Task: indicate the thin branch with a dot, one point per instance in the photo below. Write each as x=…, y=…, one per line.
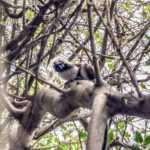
x=57, y=122
x=134, y=81
x=99, y=80
x=88, y=38
x=121, y=144
x=32, y=74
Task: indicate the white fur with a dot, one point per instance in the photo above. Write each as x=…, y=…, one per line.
x=69, y=74
x=57, y=59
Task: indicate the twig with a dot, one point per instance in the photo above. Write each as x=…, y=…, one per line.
x=32, y=74
x=88, y=38
x=121, y=144
x=57, y=122
x=133, y=79
x=99, y=80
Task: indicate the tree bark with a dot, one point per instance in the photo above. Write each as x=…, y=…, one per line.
x=98, y=123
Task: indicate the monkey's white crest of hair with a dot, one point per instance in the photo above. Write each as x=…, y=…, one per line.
x=57, y=59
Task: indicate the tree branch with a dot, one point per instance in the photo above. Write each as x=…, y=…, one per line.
x=98, y=123
x=99, y=80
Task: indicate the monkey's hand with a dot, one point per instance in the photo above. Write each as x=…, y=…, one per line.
x=67, y=84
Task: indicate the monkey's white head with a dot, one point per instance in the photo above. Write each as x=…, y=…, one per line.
x=65, y=69
x=60, y=64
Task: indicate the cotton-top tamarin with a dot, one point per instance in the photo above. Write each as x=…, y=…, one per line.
x=68, y=71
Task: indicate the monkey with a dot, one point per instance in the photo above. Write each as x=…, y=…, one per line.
x=45, y=100
x=69, y=72
x=48, y=100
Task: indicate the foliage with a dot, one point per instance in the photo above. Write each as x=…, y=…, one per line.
x=64, y=31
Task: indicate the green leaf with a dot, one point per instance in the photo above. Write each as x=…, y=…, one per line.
x=32, y=89
x=70, y=125
x=30, y=14
x=144, y=14
x=18, y=11
x=40, y=85
x=135, y=147
x=98, y=38
x=56, y=140
x=147, y=36
x=121, y=124
x=48, y=141
x=108, y=60
x=127, y=135
x=83, y=135
x=138, y=137
x=143, y=86
x=97, y=35
x=127, y=7
x=63, y=127
x=148, y=8
x=147, y=140
x=110, y=136
x=111, y=66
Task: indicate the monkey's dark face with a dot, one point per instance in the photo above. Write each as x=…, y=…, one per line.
x=61, y=66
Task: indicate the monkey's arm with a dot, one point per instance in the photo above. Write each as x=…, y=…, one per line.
x=90, y=71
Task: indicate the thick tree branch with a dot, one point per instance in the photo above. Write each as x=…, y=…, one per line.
x=98, y=123
x=107, y=103
x=130, y=105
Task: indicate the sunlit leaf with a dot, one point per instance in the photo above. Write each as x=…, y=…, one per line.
x=48, y=141
x=111, y=66
x=110, y=136
x=143, y=86
x=121, y=124
x=148, y=8
x=32, y=89
x=97, y=38
x=40, y=85
x=127, y=7
x=29, y=14
x=97, y=35
x=56, y=140
x=108, y=60
x=18, y=11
